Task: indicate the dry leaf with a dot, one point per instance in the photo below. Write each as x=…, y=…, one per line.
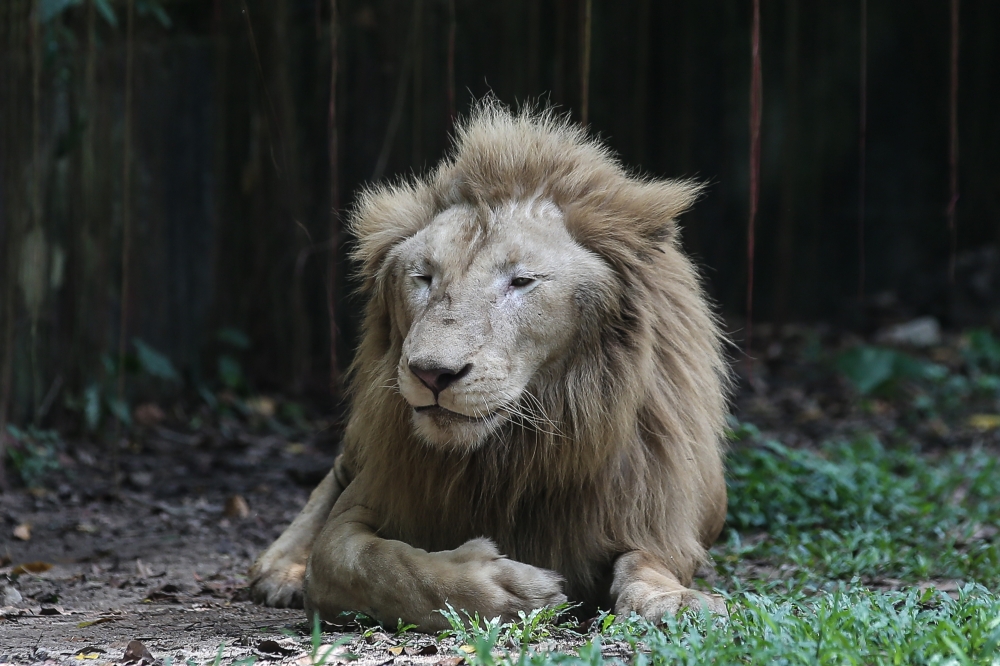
x=100, y=620
x=274, y=648
x=985, y=421
x=261, y=405
x=23, y=532
x=89, y=652
x=168, y=592
x=450, y=661
x=148, y=414
x=237, y=507
x=31, y=567
x=396, y=650
x=467, y=649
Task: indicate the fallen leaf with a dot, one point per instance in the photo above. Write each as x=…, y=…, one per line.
x=274, y=648
x=23, y=532
x=89, y=652
x=467, y=649
x=168, y=592
x=237, y=507
x=148, y=414
x=396, y=650
x=100, y=620
x=31, y=567
x=450, y=661
x=261, y=405
x=328, y=654
x=137, y=652
x=984, y=421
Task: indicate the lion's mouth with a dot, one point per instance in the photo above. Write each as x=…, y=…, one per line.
x=439, y=412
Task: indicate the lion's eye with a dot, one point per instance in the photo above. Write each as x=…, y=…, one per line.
x=422, y=279
x=520, y=282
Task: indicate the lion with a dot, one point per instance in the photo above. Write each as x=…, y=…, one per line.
x=537, y=401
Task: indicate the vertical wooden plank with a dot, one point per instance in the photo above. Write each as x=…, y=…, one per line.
x=953, y=142
x=334, y=232
x=756, y=100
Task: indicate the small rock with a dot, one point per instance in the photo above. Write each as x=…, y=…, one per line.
x=237, y=507
x=9, y=596
x=919, y=332
x=140, y=479
x=136, y=652
x=23, y=532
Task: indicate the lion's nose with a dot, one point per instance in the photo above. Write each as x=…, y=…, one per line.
x=438, y=379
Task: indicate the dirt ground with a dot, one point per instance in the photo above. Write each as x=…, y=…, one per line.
x=163, y=560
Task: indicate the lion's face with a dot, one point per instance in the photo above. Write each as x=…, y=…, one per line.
x=487, y=304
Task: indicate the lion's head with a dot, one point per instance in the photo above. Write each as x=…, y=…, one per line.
x=530, y=307
x=487, y=302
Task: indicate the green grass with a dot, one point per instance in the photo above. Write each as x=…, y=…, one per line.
x=857, y=509
x=831, y=556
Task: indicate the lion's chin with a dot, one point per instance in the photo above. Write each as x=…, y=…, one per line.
x=445, y=428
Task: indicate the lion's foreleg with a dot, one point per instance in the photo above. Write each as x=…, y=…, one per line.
x=276, y=576
x=352, y=569
x=644, y=585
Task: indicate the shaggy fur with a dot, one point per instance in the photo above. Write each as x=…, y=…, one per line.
x=626, y=458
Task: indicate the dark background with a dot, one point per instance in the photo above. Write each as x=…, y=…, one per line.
x=230, y=180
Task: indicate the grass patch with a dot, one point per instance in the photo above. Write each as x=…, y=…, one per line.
x=831, y=556
x=858, y=509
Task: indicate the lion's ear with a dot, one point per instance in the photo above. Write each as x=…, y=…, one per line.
x=631, y=219
x=384, y=216
x=656, y=205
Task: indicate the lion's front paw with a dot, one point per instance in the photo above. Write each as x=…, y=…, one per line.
x=502, y=587
x=277, y=583
x=653, y=604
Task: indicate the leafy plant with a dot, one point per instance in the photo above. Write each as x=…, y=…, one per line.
x=872, y=369
x=34, y=454
x=100, y=399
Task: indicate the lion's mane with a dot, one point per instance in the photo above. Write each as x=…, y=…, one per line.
x=632, y=459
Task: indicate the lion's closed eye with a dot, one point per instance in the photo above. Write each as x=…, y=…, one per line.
x=522, y=281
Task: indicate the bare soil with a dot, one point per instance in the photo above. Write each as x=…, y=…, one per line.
x=162, y=559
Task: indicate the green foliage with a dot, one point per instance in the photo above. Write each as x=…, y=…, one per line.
x=480, y=632
x=50, y=9
x=233, y=337
x=982, y=350
x=229, y=369
x=859, y=509
x=34, y=453
x=100, y=399
x=872, y=369
x=154, y=363
x=842, y=626
x=231, y=373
